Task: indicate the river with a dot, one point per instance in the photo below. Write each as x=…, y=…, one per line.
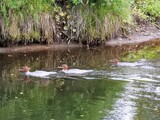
x=127, y=91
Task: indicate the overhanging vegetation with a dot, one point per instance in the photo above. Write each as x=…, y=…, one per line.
x=83, y=21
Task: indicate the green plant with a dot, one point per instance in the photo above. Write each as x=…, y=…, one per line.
x=26, y=19
x=99, y=19
x=150, y=8
x=76, y=2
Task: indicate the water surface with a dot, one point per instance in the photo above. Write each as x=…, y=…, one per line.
x=129, y=91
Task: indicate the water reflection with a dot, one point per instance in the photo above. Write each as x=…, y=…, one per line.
x=123, y=92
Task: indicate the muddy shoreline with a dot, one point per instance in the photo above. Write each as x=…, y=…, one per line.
x=34, y=48
x=140, y=35
x=144, y=35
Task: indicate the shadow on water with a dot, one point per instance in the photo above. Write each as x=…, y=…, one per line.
x=120, y=92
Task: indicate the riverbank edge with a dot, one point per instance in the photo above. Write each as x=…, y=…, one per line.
x=37, y=47
x=144, y=34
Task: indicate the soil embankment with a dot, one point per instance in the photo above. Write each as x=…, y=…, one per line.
x=144, y=34
x=141, y=35
x=31, y=48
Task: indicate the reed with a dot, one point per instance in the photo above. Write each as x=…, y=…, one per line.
x=99, y=19
x=26, y=21
x=44, y=21
x=147, y=10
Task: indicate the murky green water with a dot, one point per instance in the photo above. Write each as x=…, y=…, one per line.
x=129, y=91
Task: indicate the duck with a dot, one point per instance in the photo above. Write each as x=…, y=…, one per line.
x=37, y=73
x=117, y=62
x=73, y=71
x=114, y=62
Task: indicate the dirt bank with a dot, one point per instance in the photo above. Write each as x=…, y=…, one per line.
x=31, y=48
x=143, y=34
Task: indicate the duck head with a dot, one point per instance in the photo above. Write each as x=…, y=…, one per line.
x=64, y=67
x=24, y=69
x=114, y=61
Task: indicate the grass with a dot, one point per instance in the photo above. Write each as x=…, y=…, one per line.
x=147, y=9
x=42, y=20
x=100, y=20
x=27, y=20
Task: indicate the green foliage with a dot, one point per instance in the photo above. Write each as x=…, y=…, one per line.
x=76, y=2
x=82, y=19
x=25, y=7
x=120, y=8
x=100, y=19
x=22, y=19
x=150, y=8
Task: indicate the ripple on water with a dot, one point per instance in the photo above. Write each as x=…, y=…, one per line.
x=125, y=107
x=136, y=95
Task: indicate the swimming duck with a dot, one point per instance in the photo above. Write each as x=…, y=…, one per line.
x=37, y=73
x=116, y=62
x=130, y=64
x=73, y=71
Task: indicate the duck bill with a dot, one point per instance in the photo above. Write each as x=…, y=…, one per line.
x=20, y=70
x=60, y=67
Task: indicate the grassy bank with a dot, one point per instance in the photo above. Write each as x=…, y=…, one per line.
x=82, y=21
x=26, y=21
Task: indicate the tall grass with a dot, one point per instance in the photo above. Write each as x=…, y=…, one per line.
x=27, y=20
x=99, y=19
x=147, y=10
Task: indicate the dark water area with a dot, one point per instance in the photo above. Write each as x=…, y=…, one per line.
x=127, y=91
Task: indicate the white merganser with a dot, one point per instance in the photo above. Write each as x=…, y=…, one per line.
x=116, y=62
x=129, y=64
x=37, y=73
x=74, y=71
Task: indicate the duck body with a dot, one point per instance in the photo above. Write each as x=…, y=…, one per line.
x=37, y=73
x=42, y=74
x=76, y=71
x=129, y=64
x=116, y=62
